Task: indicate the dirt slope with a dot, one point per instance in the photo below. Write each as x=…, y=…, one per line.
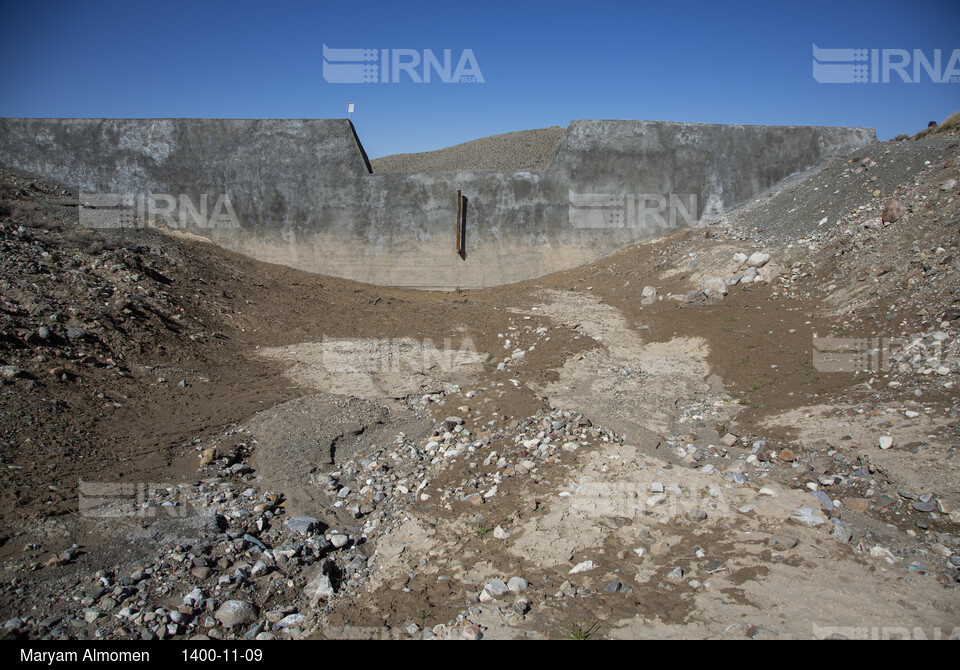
x=521, y=150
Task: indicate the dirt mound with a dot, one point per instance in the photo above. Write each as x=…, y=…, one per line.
x=521, y=150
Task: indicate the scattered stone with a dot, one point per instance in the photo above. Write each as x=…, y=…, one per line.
x=729, y=440
x=303, y=524
x=496, y=588
x=201, y=572
x=208, y=456
x=794, y=254
x=290, y=620
x=841, y=531
x=884, y=553
x=236, y=612
x=782, y=542
x=319, y=588
x=10, y=371
x=471, y=632
x=825, y=501
x=892, y=211
x=715, y=287
x=806, y=517
x=649, y=295
x=194, y=599
x=517, y=584
x=858, y=505
x=582, y=567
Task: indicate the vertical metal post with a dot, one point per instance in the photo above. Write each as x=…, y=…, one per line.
x=459, y=222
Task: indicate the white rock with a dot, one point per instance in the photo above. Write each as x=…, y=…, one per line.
x=235, y=612
x=649, y=295
x=582, y=567
x=715, y=287
x=496, y=588
x=758, y=259
x=517, y=584
x=195, y=598
x=291, y=620
x=884, y=553
x=653, y=501
x=319, y=588
x=805, y=517
x=886, y=442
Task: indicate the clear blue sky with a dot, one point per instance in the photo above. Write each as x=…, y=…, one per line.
x=543, y=63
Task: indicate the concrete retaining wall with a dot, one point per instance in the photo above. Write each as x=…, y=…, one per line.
x=303, y=195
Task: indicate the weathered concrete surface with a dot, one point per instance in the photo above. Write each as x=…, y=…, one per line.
x=733, y=161
x=304, y=196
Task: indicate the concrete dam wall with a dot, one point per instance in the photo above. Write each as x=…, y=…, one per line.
x=301, y=193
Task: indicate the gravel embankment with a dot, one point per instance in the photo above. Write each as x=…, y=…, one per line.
x=521, y=150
